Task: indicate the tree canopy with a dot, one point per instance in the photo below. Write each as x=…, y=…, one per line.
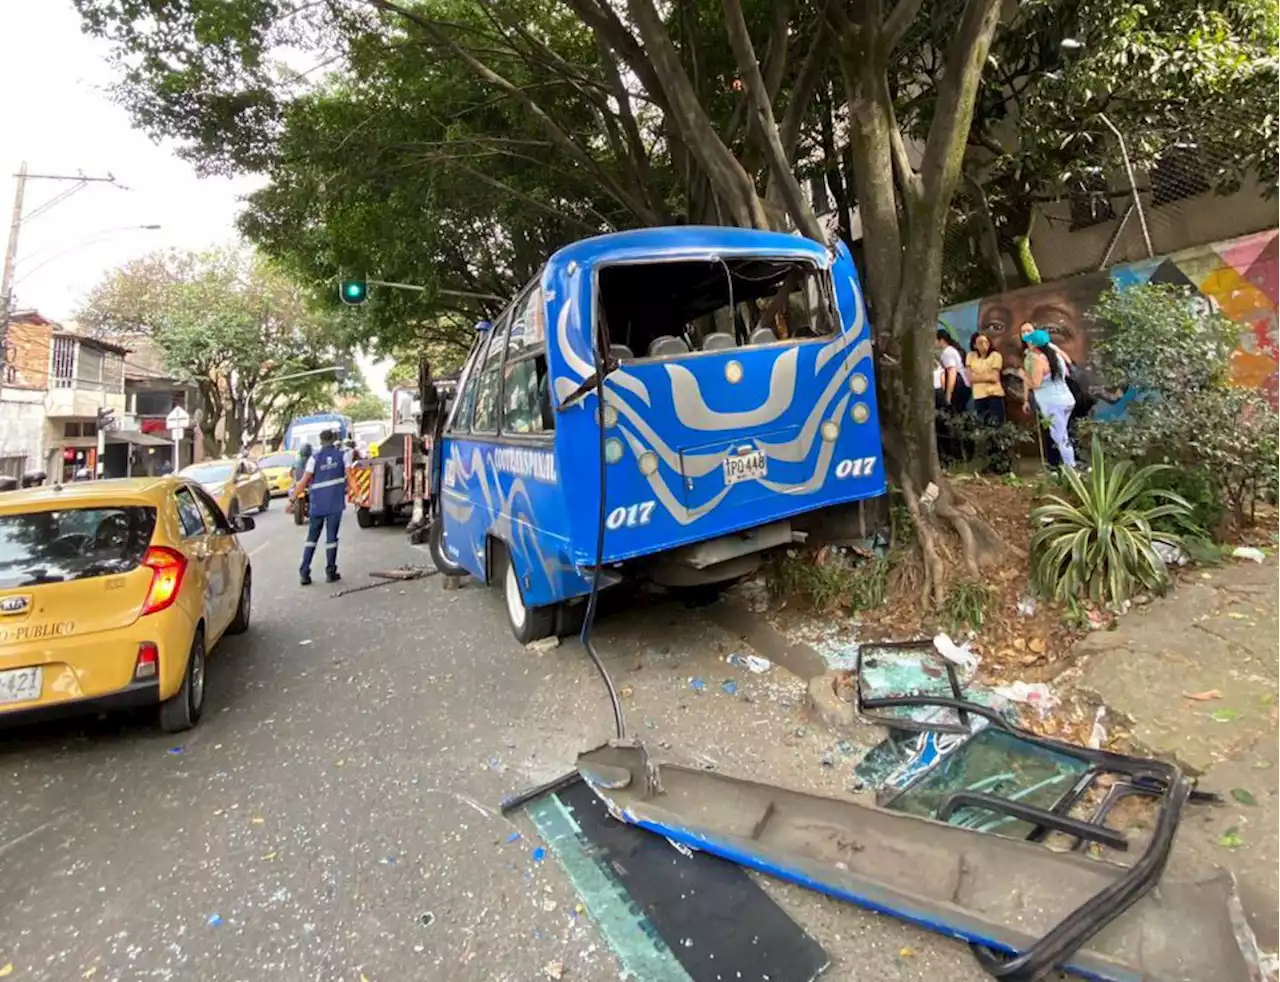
x=230, y=322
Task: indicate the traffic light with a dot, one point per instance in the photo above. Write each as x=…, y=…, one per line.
x=353, y=292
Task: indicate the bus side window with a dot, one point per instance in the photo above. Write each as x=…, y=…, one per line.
x=460, y=420
x=525, y=396
x=484, y=418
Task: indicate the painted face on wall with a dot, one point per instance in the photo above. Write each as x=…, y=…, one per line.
x=1059, y=308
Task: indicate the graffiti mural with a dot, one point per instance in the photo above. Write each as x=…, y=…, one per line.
x=1239, y=277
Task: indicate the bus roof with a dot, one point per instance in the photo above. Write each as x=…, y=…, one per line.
x=688, y=242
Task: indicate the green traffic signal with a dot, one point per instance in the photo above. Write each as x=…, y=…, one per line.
x=353, y=291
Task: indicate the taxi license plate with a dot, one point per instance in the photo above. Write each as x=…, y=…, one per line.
x=745, y=467
x=20, y=685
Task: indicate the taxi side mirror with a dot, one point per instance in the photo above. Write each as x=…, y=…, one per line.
x=242, y=523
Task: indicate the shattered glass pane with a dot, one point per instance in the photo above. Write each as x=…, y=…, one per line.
x=995, y=762
x=891, y=671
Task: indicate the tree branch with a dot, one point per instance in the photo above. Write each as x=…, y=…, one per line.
x=953, y=113
x=558, y=136
x=601, y=18
x=779, y=165
x=806, y=84
x=898, y=23
x=731, y=181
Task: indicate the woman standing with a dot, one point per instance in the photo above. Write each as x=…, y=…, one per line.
x=955, y=392
x=1046, y=383
x=985, y=365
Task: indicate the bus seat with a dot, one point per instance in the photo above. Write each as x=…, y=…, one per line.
x=620, y=352
x=718, y=341
x=762, y=335
x=667, y=345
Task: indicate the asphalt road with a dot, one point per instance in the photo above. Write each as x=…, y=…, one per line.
x=333, y=816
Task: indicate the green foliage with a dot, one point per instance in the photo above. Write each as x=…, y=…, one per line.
x=1163, y=339
x=367, y=406
x=229, y=321
x=965, y=606
x=1176, y=75
x=1098, y=541
x=1175, y=350
x=836, y=583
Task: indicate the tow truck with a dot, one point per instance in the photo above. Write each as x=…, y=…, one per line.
x=392, y=480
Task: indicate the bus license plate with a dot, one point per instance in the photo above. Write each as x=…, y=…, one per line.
x=745, y=467
x=19, y=685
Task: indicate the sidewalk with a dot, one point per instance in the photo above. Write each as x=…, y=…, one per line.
x=1193, y=676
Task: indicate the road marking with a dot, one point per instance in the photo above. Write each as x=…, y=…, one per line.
x=259, y=547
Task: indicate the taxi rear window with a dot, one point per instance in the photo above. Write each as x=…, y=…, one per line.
x=72, y=544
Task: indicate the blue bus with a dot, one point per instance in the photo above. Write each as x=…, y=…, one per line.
x=307, y=429
x=735, y=371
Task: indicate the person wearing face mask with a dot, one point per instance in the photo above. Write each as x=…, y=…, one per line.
x=1044, y=373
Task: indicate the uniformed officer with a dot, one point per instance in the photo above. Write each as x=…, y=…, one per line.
x=325, y=480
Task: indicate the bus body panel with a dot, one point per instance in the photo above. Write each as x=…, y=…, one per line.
x=786, y=409
x=684, y=414
x=512, y=494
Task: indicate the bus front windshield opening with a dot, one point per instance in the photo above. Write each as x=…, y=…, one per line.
x=656, y=310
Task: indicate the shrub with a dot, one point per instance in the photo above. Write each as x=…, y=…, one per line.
x=1098, y=543
x=1175, y=350
x=840, y=581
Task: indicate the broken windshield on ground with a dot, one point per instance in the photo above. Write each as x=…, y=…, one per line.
x=997, y=763
x=654, y=310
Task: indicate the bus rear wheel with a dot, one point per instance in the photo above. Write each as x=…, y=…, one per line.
x=365, y=519
x=528, y=624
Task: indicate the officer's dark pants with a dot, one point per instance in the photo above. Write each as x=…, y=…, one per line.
x=329, y=525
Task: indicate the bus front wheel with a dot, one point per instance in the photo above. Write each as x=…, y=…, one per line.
x=527, y=623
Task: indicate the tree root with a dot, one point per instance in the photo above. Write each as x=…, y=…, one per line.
x=980, y=544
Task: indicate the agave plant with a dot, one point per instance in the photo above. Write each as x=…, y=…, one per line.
x=1101, y=545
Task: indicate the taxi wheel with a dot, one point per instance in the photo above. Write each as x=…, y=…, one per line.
x=266, y=501
x=240, y=623
x=527, y=623
x=182, y=710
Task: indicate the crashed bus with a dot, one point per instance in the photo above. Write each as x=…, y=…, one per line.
x=663, y=404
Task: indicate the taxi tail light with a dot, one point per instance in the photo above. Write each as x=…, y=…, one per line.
x=167, y=566
x=148, y=664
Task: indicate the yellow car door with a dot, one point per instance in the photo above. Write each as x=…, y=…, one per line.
x=195, y=533
x=225, y=563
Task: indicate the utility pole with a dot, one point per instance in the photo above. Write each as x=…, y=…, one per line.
x=78, y=182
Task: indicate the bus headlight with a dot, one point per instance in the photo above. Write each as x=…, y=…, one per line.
x=613, y=450
x=830, y=430
x=648, y=463
x=610, y=417
x=861, y=413
x=733, y=372
x=858, y=383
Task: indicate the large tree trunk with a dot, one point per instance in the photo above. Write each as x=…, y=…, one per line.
x=904, y=214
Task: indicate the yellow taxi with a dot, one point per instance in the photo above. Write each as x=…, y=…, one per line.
x=237, y=485
x=112, y=593
x=277, y=468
